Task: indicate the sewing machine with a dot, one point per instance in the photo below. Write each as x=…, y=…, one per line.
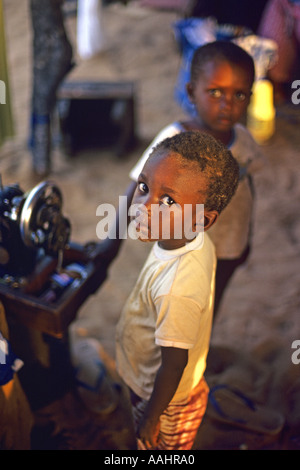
x=44, y=279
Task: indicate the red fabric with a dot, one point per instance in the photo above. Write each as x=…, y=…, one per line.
x=180, y=421
x=281, y=22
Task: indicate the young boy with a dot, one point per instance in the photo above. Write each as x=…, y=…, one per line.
x=222, y=76
x=164, y=330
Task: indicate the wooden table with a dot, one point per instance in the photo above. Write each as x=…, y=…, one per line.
x=95, y=113
x=39, y=330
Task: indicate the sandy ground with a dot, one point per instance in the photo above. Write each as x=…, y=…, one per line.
x=251, y=346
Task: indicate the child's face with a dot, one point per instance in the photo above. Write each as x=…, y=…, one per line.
x=168, y=184
x=221, y=95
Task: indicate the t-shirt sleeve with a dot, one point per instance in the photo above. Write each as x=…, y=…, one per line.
x=178, y=321
x=247, y=152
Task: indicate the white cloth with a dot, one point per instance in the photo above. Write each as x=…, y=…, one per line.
x=230, y=233
x=171, y=305
x=90, y=34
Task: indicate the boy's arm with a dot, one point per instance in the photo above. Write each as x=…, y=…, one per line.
x=173, y=362
x=108, y=249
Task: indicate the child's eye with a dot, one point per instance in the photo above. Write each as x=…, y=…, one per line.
x=167, y=201
x=215, y=93
x=143, y=188
x=240, y=96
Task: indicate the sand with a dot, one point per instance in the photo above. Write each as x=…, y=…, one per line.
x=251, y=344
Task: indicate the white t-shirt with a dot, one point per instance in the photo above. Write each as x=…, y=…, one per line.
x=231, y=232
x=171, y=305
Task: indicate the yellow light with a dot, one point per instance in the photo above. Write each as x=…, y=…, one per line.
x=8, y=388
x=261, y=111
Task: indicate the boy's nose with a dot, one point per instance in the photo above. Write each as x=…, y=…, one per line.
x=227, y=101
x=146, y=201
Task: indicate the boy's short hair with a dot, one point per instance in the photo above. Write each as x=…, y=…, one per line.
x=221, y=50
x=214, y=160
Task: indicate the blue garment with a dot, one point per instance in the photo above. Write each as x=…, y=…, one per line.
x=9, y=362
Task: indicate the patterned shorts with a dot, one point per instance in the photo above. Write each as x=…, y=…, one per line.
x=179, y=422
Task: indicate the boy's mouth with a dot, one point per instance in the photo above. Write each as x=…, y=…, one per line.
x=141, y=225
x=225, y=119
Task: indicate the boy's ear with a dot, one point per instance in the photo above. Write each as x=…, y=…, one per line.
x=209, y=219
x=190, y=91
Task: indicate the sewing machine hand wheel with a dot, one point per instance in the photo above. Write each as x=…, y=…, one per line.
x=42, y=224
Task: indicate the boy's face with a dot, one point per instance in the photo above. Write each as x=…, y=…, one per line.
x=221, y=95
x=169, y=190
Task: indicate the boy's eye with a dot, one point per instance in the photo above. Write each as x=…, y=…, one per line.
x=167, y=201
x=215, y=93
x=240, y=96
x=143, y=188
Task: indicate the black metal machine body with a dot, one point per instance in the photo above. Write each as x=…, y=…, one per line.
x=44, y=279
x=31, y=226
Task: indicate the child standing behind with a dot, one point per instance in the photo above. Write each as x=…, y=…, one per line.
x=164, y=331
x=222, y=75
